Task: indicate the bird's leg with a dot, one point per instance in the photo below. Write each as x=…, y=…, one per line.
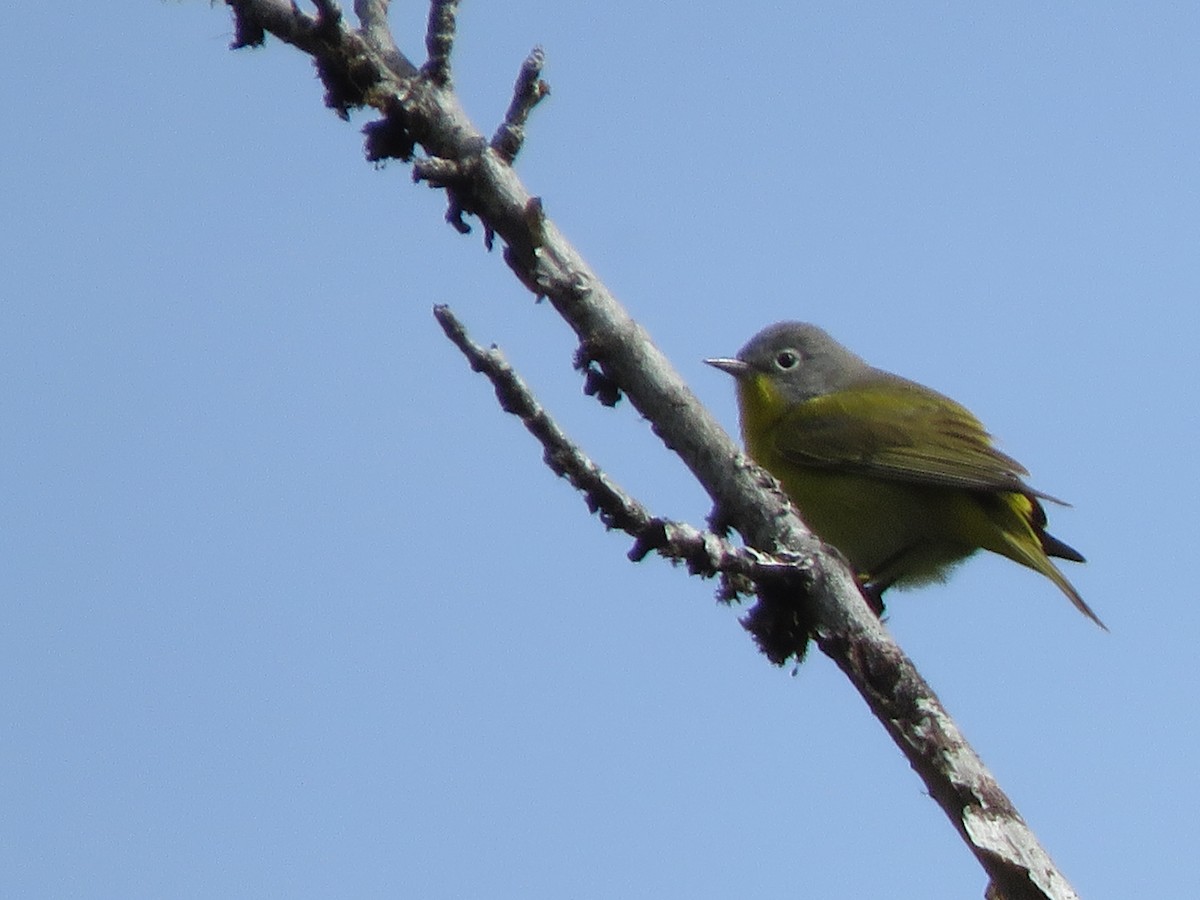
x=872, y=592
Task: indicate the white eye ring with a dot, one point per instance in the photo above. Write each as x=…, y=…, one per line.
x=787, y=359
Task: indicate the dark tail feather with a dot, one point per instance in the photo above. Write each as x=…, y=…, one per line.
x=1054, y=547
x=1022, y=550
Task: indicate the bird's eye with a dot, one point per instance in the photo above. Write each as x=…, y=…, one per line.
x=787, y=359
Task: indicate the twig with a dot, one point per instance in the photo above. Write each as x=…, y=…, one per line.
x=372, y=15
x=328, y=12
x=616, y=508
x=439, y=41
x=527, y=93
x=704, y=553
x=372, y=20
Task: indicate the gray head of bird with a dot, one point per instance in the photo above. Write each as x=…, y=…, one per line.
x=801, y=360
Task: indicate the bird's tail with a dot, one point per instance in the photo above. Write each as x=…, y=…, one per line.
x=1031, y=546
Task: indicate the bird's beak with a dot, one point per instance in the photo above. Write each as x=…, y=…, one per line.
x=735, y=367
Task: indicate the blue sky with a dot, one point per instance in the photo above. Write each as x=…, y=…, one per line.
x=288, y=607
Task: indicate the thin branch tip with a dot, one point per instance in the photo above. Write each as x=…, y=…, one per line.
x=373, y=27
x=371, y=13
x=328, y=12
x=439, y=41
x=528, y=91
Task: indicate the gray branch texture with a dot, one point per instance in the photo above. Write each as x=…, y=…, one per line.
x=803, y=590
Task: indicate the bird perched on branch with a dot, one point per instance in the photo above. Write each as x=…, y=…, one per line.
x=902, y=480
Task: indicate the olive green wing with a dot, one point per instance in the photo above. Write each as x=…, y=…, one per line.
x=891, y=428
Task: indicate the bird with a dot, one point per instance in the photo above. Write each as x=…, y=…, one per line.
x=905, y=482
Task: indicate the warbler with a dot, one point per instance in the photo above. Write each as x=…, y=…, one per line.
x=904, y=481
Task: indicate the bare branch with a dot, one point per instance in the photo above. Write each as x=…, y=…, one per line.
x=616, y=508
x=328, y=12
x=618, y=349
x=527, y=93
x=705, y=553
x=353, y=73
x=373, y=26
x=372, y=15
x=439, y=41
